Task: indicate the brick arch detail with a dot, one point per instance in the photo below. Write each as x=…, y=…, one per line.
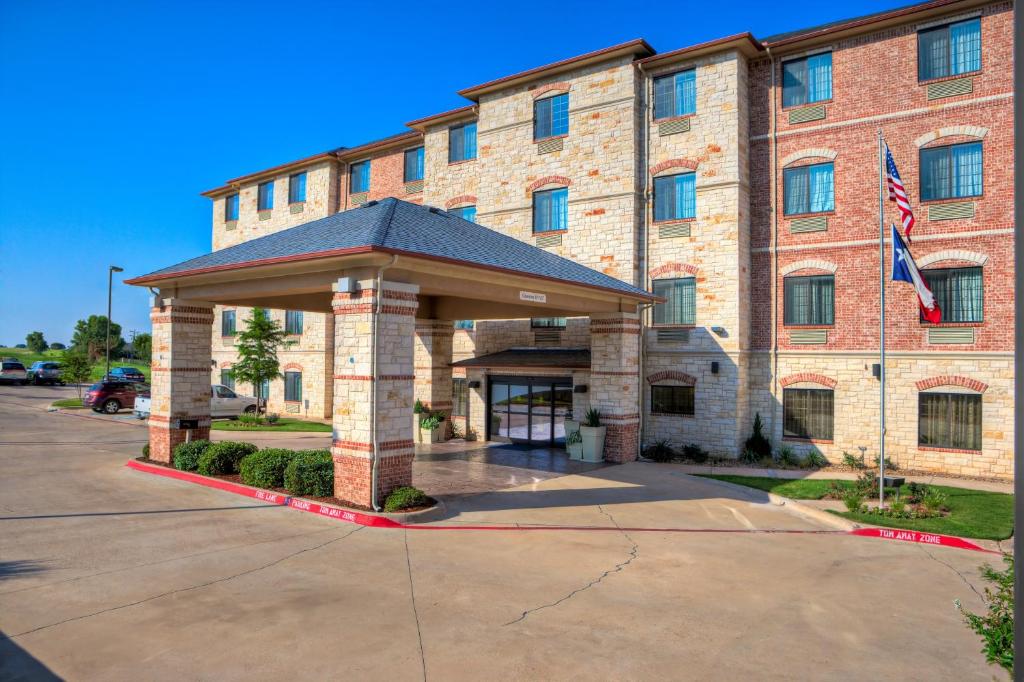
x=952, y=380
x=292, y=367
x=461, y=199
x=668, y=164
x=810, y=264
x=673, y=268
x=670, y=375
x=561, y=86
x=952, y=254
x=810, y=153
x=950, y=131
x=225, y=365
x=548, y=180
x=809, y=377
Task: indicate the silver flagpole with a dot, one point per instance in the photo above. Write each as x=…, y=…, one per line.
x=881, y=323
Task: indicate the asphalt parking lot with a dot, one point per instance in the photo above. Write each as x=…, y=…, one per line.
x=108, y=573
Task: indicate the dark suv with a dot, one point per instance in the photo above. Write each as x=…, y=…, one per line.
x=110, y=396
x=126, y=374
x=43, y=372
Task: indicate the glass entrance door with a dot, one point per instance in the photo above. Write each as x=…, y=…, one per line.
x=529, y=409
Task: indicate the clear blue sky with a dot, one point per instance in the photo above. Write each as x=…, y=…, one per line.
x=115, y=115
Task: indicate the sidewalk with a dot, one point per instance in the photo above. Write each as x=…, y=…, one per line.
x=991, y=486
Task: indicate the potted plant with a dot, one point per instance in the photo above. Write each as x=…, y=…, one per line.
x=593, y=436
x=571, y=425
x=433, y=423
x=574, y=444
x=418, y=411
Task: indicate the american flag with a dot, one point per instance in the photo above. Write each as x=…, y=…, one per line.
x=898, y=193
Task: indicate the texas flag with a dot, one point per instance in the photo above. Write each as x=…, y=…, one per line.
x=904, y=269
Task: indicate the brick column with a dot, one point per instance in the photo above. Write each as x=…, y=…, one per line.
x=433, y=358
x=614, y=367
x=353, y=375
x=180, y=374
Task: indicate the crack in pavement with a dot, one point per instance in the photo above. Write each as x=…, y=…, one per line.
x=183, y=589
x=634, y=553
x=950, y=567
x=415, y=611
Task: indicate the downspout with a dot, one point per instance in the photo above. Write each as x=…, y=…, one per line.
x=375, y=463
x=774, y=247
x=645, y=146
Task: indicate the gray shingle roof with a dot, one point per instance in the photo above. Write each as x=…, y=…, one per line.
x=392, y=225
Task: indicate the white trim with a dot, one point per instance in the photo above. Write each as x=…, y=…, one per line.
x=810, y=153
x=869, y=242
x=949, y=131
x=810, y=264
x=952, y=254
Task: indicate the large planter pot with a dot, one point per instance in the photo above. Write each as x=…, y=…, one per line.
x=575, y=450
x=571, y=426
x=435, y=436
x=495, y=425
x=416, y=427
x=593, y=443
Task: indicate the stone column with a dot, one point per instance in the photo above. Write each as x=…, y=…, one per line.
x=614, y=389
x=433, y=358
x=181, y=374
x=353, y=376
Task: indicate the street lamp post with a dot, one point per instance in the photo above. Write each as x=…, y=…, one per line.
x=110, y=291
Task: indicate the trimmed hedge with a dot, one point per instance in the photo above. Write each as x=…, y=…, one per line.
x=265, y=469
x=224, y=457
x=311, y=472
x=186, y=456
x=404, y=498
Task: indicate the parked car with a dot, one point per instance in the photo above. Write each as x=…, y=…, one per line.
x=14, y=372
x=111, y=396
x=42, y=372
x=126, y=374
x=224, y=402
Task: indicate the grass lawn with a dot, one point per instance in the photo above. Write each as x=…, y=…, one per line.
x=67, y=402
x=27, y=357
x=972, y=513
x=283, y=424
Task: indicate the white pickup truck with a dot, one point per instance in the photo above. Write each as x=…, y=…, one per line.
x=223, y=403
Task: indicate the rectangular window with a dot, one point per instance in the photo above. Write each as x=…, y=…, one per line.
x=231, y=207
x=949, y=50
x=551, y=210
x=413, y=164
x=807, y=413
x=547, y=322
x=675, y=197
x=675, y=95
x=462, y=142
x=672, y=399
x=807, y=80
x=466, y=213
x=460, y=397
x=951, y=172
x=808, y=189
x=359, y=177
x=227, y=323
x=959, y=293
x=464, y=324
x=551, y=117
x=293, y=387
x=227, y=379
x=949, y=420
x=809, y=300
x=293, y=321
x=265, y=196
x=297, y=188
x=681, y=306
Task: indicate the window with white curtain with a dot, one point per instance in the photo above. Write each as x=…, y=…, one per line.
x=551, y=210
x=808, y=189
x=949, y=50
x=958, y=292
x=949, y=420
x=680, y=306
x=951, y=172
x=807, y=413
x=675, y=197
x=676, y=94
x=807, y=80
x=809, y=300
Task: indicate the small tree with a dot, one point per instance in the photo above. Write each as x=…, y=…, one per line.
x=757, y=443
x=57, y=345
x=91, y=337
x=35, y=342
x=996, y=627
x=257, y=352
x=75, y=368
x=142, y=346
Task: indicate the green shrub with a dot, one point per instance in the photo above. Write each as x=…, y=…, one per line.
x=405, y=497
x=660, y=451
x=996, y=627
x=748, y=456
x=852, y=461
x=898, y=506
x=916, y=492
x=186, y=455
x=814, y=460
x=695, y=453
x=757, y=443
x=418, y=408
x=273, y=418
x=265, y=468
x=145, y=450
x=853, y=500
x=250, y=419
x=867, y=483
x=224, y=457
x=311, y=473
x=456, y=431
x=788, y=457
x=592, y=417
x=432, y=423
x=935, y=500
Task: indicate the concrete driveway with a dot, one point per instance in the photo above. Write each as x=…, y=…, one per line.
x=108, y=573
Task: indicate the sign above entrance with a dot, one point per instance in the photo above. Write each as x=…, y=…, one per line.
x=532, y=297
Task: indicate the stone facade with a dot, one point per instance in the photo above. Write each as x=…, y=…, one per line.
x=739, y=247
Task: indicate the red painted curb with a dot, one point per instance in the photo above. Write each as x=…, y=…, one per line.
x=373, y=521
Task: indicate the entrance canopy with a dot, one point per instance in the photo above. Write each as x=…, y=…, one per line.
x=463, y=270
